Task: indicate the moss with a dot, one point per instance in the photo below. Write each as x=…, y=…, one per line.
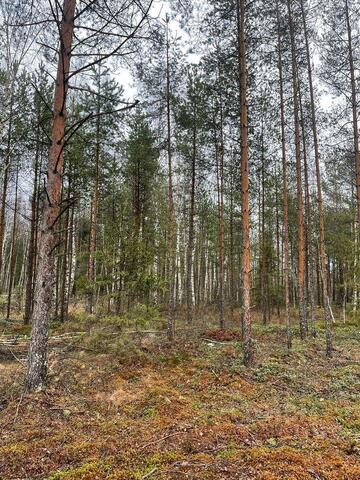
x=228, y=453
x=15, y=448
x=265, y=370
x=349, y=419
x=149, y=412
x=174, y=358
x=293, y=413
x=87, y=470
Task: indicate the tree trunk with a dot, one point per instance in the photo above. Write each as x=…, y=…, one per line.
x=171, y=212
x=71, y=259
x=32, y=245
x=94, y=209
x=219, y=156
x=6, y=178
x=300, y=216
x=12, y=247
x=308, y=232
x=190, y=245
x=355, y=128
x=37, y=362
x=285, y=187
x=323, y=257
x=264, y=280
x=64, y=269
x=232, y=246
x=245, y=208
x=221, y=224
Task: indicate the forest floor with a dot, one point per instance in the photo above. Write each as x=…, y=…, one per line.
x=189, y=410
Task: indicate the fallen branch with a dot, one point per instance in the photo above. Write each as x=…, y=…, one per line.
x=17, y=408
x=13, y=354
x=232, y=342
x=149, y=473
x=215, y=374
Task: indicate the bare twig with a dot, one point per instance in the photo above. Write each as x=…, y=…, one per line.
x=17, y=408
x=163, y=438
x=149, y=474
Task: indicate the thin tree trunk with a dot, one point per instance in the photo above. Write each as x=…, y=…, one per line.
x=278, y=261
x=12, y=247
x=263, y=270
x=32, y=245
x=285, y=187
x=300, y=216
x=202, y=262
x=219, y=155
x=57, y=282
x=71, y=259
x=171, y=211
x=355, y=266
x=64, y=270
x=308, y=237
x=37, y=231
x=6, y=179
x=356, y=140
x=245, y=208
x=323, y=257
x=94, y=209
x=22, y=277
x=221, y=224
x=232, y=248
x=190, y=245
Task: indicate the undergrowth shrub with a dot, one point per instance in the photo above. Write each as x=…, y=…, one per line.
x=122, y=347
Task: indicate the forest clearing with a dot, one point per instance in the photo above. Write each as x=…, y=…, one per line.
x=179, y=239
x=150, y=409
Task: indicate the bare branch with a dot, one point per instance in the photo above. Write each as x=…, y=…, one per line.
x=115, y=50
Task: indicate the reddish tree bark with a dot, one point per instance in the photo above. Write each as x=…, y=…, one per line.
x=37, y=363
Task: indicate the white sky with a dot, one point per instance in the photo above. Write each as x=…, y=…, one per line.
x=159, y=11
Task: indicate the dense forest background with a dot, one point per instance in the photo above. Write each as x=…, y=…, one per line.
x=179, y=240
x=229, y=182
